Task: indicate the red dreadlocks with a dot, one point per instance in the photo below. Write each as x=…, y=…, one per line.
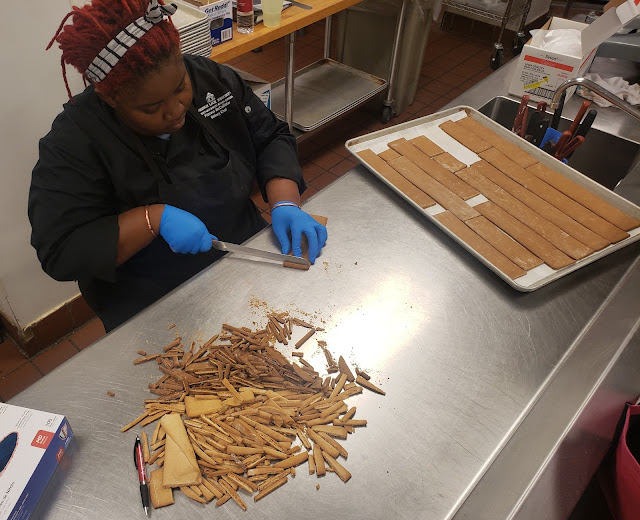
x=95, y=24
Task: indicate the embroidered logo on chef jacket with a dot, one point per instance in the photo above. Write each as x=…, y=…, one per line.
x=215, y=107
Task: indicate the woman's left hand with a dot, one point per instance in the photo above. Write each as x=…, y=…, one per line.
x=290, y=221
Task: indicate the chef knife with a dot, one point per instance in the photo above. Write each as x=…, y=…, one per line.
x=235, y=248
x=578, y=119
x=586, y=123
x=585, y=126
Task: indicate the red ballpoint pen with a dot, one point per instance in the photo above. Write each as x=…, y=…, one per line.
x=142, y=475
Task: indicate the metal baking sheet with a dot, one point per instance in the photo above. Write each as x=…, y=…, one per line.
x=428, y=125
x=205, y=32
x=324, y=90
x=199, y=47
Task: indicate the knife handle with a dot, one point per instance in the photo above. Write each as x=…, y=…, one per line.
x=557, y=114
x=586, y=123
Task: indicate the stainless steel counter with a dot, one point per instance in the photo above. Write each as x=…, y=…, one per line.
x=461, y=355
x=545, y=466
x=483, y=383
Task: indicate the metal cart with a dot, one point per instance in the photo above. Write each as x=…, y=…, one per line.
x=498, y=14
x=369, y=40
x=327, y=89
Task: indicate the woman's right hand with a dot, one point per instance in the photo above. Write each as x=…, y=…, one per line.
x=184, y=232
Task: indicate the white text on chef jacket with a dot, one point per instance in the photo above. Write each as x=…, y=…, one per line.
x=216, y=107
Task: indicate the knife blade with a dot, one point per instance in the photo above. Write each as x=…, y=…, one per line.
x=250, y=251
x=299, y=4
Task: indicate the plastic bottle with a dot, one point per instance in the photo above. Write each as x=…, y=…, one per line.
x=244, y=16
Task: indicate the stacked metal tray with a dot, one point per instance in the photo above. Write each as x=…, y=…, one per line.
x=193, y=26
x=323, y=91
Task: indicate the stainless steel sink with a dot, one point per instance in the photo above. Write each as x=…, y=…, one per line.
x=603, y=157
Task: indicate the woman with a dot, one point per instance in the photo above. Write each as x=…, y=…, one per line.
x=160, y=151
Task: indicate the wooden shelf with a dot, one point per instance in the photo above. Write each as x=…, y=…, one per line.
x=293, y=18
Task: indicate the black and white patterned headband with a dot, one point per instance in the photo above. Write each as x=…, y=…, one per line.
x=108, y=57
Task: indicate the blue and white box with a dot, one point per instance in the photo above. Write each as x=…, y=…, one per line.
x=32, y=444
x=220, y=15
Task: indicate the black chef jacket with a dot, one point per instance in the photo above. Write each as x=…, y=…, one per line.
x=92, y=168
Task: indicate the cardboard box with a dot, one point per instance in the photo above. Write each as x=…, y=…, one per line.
x=540, y=72
x=260, y=87
x=32, y=443
x=220, y=15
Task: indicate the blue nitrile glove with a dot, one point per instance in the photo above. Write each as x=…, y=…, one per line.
x=184, y=232
x=291, y=220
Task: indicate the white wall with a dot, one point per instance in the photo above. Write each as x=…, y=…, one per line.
x=32, y=95
x=5, y=308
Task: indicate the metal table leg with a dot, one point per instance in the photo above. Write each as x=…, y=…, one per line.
x=327, y=37
x=498, y=50
x=290, y=50
x=387, y=111
x=521, y=37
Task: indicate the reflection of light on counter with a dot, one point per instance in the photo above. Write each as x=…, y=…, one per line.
x=379, y=325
